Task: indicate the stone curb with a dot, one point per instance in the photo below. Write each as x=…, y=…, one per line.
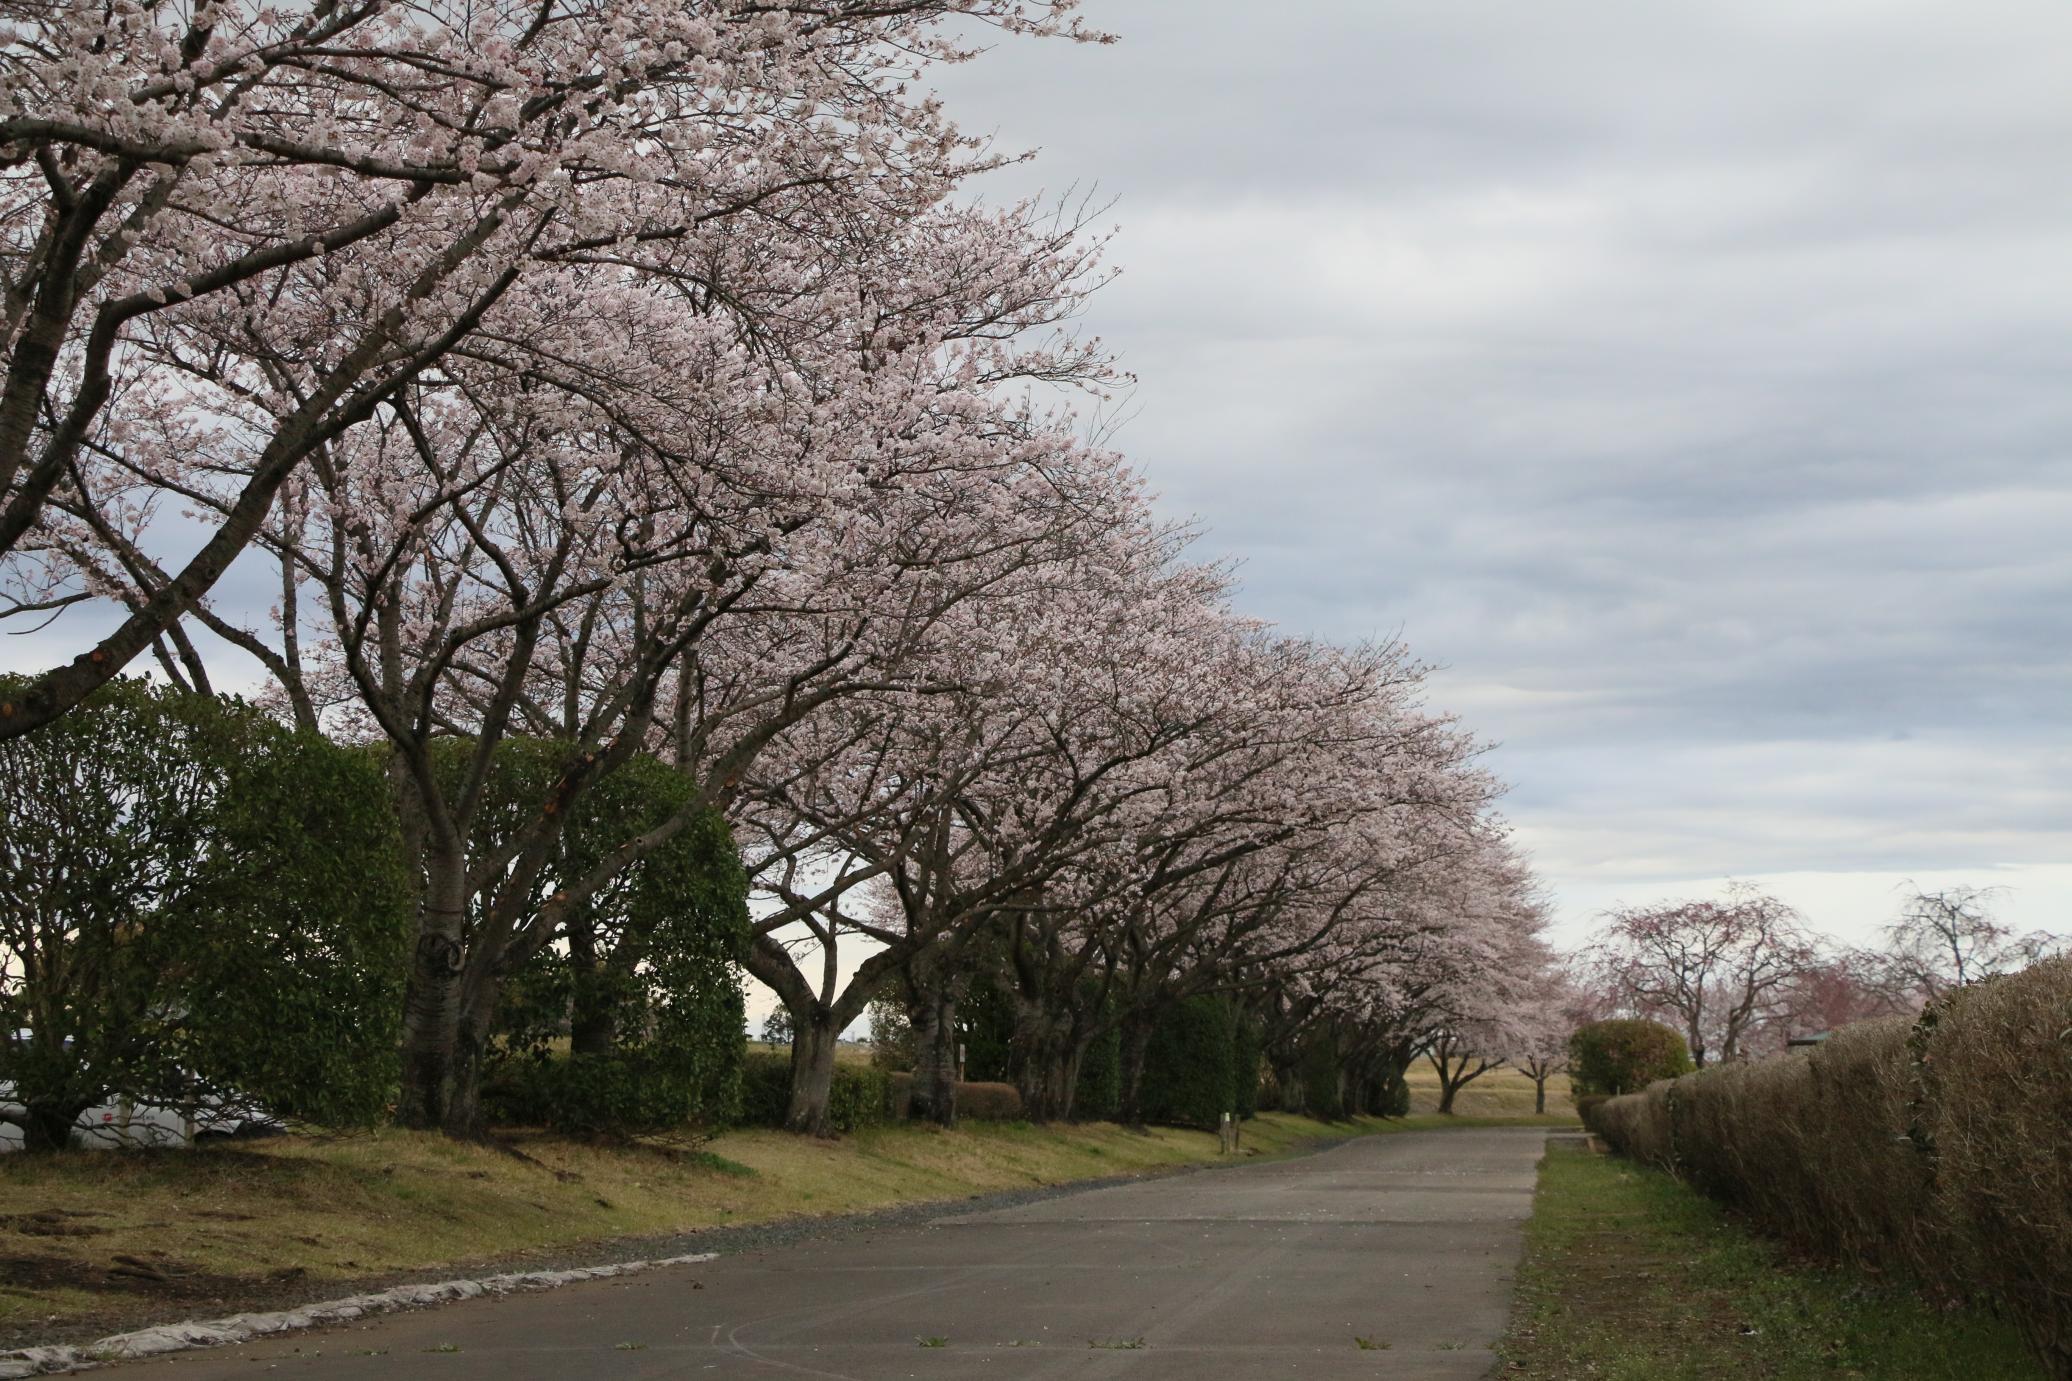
x=240, y=1328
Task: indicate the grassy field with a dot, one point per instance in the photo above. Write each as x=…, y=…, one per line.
x=1500, y=1093
x=129, y=1236
x=1630, y=1276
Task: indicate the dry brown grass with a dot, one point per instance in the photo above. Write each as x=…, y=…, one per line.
x=1503, y=1092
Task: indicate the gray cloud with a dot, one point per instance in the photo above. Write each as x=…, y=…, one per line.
x=1688, y=380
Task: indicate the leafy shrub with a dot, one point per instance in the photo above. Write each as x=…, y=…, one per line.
x=765, y=1088
x=985, y=1028
x=199, y=908
x=1190, y=1077
x=1392, y=1098
x=892, y=1035
x=1623, y=1056
x=1587, y=1105
x=858, y=1098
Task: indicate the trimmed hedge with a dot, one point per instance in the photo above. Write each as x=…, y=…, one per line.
x=623, y=1092
x=1624, y=1056
x=859, y=1096
x=1247, y=1055
x=1939, y=1148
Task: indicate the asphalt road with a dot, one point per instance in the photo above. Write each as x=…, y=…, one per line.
x=1407, y=1241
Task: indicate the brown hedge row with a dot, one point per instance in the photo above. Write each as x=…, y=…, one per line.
x=978, y=1100
x=1940, y=1148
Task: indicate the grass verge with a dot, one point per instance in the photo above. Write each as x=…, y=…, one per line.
x=1631, y=1276
x=125, y=1238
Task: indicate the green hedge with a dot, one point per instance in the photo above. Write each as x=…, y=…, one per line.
x=630, y=1091
x=1098, y=1095
x=985, y=1028
x=859, y=1095
x=1936, y=1148
x=1190, y=1069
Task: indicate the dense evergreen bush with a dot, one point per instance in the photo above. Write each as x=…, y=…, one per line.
x=1323, y=1079
x=985, y=1028
x=199, y=909
x=1098, y=1095
x=642, y=988
x=1190, y=1073
x=1390, y=1095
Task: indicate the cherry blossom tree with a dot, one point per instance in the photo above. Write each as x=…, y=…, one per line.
x=1715, y=967
x=311, y=206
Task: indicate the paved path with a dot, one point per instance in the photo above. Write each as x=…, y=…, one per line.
x=1258, y=1271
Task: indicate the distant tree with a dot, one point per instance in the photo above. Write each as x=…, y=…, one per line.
x=1833, y=992
x=1946, y=939
x=1716, y=967
x=1624, y=1055
x=777, y=1028
x=1555, y=1007
x=1459, y=1056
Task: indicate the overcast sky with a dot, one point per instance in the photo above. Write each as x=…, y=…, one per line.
x=1689, y=380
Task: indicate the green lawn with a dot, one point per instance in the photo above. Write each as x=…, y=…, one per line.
x=1630, y=1276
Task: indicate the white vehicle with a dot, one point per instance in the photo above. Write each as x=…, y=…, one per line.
x=124, y=1125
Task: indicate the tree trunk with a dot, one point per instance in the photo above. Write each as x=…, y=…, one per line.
x=1067, y=1096
x=812, y=1073
x=1539, y=1095
x=48, y=1126
x=1136, y=1044
x=1287, y=1078
x=432, y=1001
x=1045, y=1063
x=592, y=1018
x=1447, y=1088
x=932, y=1012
